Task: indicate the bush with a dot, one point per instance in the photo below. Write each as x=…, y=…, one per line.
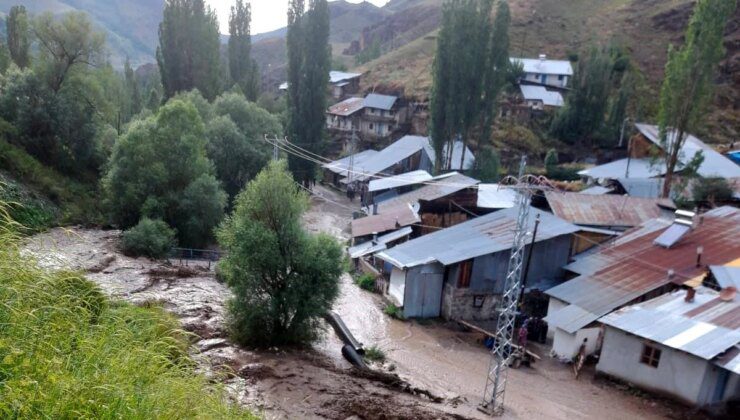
x=33, y=213
x=393, y=311
x=366, y=282
x=150, y=238
x=66, y=351
x=711, y=190
x=374, y=354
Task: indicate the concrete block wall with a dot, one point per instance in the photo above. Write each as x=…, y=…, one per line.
x=459, y=304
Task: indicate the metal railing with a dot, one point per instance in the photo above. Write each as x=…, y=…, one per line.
x=183, y=255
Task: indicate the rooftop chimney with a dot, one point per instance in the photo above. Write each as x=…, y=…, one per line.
x=543, y=57
x=690, y=293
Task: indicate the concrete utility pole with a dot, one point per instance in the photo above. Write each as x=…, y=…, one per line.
x=503, y=346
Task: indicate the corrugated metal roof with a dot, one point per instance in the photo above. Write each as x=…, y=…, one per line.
x=606, y=210
x=433, y=190
x=638, y=168
x=706, y=327
x=726, y=276
x=340, y=76
x=642, y=187
x=634, y=266
x=342, y=165
x=596, y=190
x=409, y=178
x=371, y=247
x=391, y=155
x=392, y=219
x=714, y=164
x=347, y=107
x=536, y=65
x=384, y=102
x=494, y=196
x=539, y=93
x=404, y=148
x=481, y=236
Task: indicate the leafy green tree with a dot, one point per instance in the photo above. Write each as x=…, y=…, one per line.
x=369, y=54
x=201, y=104
x=159, y=169
x=551, y=161
x=18, y=31
x=243, y=69
x=4, y=58
x=309, y=60
x=284, y=280
x=132, y=93
x=584, y=112
x=149, y=238
x=712, y=190
x=67, y=43
x=487, y=165
x=688, y=81
x=189, y=48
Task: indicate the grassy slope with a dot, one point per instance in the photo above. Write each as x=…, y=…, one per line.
x=66, y=351
x=560, y=27
x=50, y=197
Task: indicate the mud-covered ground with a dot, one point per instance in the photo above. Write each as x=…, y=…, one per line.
x=431, y=359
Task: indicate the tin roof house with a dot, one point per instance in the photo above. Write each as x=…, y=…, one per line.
x=685, y=344
x=458, y=272
x=654, y=258
x=545, y=72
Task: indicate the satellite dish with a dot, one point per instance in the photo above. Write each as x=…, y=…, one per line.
x=728, y=294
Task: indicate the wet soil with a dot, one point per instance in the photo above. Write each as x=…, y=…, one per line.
x=429, y=359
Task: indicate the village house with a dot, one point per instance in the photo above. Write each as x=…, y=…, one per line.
x=382, y=189
x=459, y=272
x=344, y=116
x=538, y=98
x=645, y=262
x=544, y=72
x=382, y=115
x=685, y=344
x=640, y=163
x=409, y=153
x=341, y=84
x=340, y=169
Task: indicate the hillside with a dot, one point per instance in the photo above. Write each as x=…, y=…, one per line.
x=130, y=26
x=561, y=27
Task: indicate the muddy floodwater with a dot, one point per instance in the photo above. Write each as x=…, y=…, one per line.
x=442, y=369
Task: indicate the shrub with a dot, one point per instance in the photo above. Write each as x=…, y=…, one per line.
x=149, y=238
x=393, y=311
x=374, y=354
x=711, y=190
x=366, y=282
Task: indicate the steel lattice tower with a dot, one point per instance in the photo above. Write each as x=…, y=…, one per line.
x=493, y=397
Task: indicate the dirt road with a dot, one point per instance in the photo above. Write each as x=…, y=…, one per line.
x=318, y=383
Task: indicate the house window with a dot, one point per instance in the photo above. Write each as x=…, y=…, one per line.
x=371, y=126
x=650, y=355
x=465, y=271
x=560, y=77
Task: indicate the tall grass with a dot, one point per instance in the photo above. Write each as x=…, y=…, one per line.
x=67, y=351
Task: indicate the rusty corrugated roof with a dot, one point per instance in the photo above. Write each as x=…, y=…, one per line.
x=393, y=219
x=347, y=107
x=606, y=210
x=619, y=274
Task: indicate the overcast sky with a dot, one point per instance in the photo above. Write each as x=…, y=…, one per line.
x=267, y=15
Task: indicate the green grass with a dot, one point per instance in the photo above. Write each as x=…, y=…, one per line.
x=78, y=201
x=67, y=351
x=374, y=354
x=393, y=311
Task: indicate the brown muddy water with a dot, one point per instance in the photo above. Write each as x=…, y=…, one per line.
x=436, y=358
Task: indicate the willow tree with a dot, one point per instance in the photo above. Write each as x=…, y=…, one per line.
x=688, y=82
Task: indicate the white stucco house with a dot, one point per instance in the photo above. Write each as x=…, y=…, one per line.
x=555, y=73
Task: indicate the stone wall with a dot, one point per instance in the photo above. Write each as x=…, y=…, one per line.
x=459, y=304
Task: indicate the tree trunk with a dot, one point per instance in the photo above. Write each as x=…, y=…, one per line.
x=671, y=162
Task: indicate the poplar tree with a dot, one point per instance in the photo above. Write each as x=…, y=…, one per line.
x=309, y=62
x=242, y=68
x=470, y=69
x=18, y=29
x=687, y=85
x=188, y=54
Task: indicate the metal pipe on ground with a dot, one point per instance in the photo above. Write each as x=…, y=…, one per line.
x=353, y=357
x=344, y=333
